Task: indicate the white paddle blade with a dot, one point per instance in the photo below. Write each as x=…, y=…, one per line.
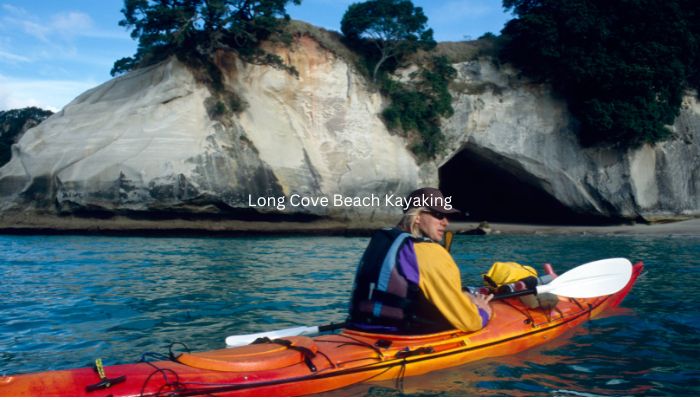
x=597, y=278
x=242, y=340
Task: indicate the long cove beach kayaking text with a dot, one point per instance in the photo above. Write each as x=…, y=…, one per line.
x=339, y=200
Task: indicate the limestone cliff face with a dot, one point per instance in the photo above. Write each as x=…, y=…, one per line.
x=145, y=142
x=522, y=129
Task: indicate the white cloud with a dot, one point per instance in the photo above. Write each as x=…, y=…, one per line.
x=14, y=10
x=74, y=24
x=18, y=18
x=34, y=29
x=13, y=58
x=48, y=94
x=71, y=22
x=62, y=26
x=52, y=46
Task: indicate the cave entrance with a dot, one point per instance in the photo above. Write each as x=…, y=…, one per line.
x=492, y=188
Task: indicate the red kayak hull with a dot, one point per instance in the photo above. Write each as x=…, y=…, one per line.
x=313, y=365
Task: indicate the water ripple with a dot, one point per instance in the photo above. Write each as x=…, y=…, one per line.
x=68, y=300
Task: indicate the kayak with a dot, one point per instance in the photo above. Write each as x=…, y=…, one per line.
x=302, y=365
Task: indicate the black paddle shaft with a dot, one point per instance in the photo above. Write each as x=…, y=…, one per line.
x=514, y=294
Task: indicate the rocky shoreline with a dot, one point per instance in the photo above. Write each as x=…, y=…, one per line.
x=29, y=223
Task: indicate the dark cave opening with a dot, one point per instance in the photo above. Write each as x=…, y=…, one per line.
x=482, y=186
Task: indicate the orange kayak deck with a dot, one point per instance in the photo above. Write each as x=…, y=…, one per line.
x=301, y=365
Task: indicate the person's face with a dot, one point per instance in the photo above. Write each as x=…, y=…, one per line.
x=432, y=224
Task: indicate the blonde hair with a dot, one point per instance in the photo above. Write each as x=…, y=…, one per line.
x=408, y=222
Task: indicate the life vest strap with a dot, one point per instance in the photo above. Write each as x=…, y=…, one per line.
x=387, y=267
x=390, y=299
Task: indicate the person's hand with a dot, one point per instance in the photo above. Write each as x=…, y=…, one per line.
x=482, y=301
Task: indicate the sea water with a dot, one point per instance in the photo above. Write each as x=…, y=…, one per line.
x=67, y=300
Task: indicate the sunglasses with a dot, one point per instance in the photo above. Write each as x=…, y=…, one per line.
x=436, y=214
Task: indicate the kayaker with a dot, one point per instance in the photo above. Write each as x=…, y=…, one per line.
x=408, y=283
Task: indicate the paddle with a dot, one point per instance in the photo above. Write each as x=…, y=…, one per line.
x=597, y=278
x=240, y=340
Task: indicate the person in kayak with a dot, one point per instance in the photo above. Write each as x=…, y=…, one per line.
x=408, y=283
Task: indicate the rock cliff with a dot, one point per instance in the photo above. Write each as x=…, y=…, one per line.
x=148, y=143
x=145, y=142
x=507, y=124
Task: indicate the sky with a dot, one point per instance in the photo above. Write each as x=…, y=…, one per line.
x=51, y=51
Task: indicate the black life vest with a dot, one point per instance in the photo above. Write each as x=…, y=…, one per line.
x=382, y=297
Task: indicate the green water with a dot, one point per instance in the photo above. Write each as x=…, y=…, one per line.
x=66, y=300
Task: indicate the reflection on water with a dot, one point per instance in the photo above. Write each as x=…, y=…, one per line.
x=68, y=300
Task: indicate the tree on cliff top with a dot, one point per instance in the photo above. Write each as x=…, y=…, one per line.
x=395, y=27
x=195, y=29
x=622, y=65
x=386, y=32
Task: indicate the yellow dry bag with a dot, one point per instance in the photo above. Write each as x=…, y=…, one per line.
x=503, y=273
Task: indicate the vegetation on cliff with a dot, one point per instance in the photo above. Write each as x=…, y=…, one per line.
x=391, y=28
x=622, y=66
x=13, y=123
x=386, y=33
x=418, y=104
x=194, y=30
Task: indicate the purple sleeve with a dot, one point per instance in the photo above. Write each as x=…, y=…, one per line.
x=408, y=263
x=484, y=317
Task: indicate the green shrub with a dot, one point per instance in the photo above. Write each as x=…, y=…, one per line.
x=417, y=106
x=622, y=66
x=388, y=34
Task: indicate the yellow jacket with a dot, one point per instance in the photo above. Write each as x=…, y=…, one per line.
x=441, y=283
